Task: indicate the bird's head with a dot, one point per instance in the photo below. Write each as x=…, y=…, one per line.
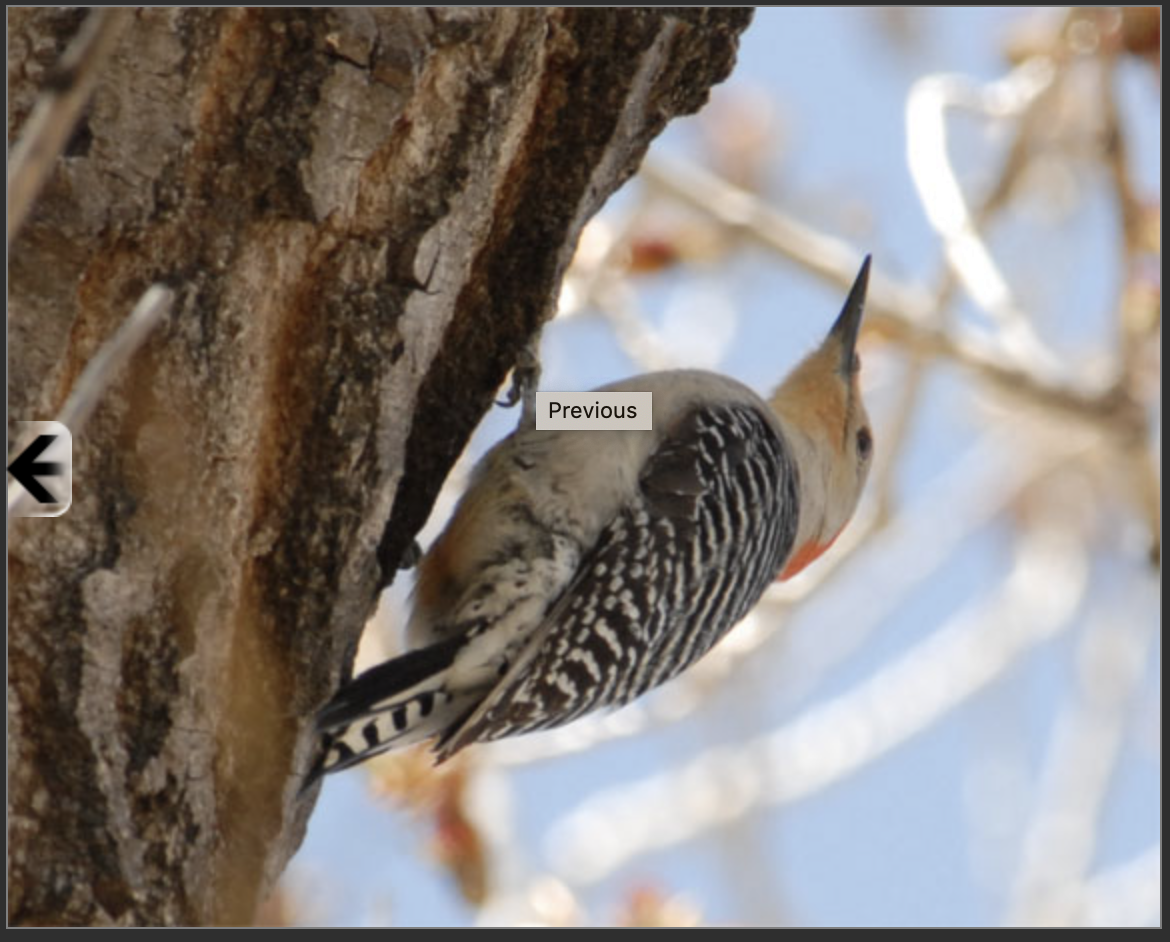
x=821, y=402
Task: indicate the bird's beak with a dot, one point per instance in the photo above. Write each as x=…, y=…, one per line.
x=849, y=321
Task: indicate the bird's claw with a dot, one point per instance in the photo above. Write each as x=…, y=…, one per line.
x=525, y=379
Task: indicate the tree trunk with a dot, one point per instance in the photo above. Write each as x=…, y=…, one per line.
x=365, y=215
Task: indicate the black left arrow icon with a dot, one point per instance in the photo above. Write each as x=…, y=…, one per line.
x=26, y=469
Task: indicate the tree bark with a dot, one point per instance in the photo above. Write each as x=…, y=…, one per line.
x=365, y=215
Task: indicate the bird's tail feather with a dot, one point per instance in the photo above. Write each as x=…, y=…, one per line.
x=393, y=680
x=395, y=704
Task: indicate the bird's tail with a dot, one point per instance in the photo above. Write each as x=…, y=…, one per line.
x=395, y=704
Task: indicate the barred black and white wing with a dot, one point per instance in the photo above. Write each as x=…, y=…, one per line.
x=712, y=523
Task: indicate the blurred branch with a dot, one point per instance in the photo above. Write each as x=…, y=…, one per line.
x=152, y=307
x=833, y=740
x=1116, y=155
x=898, y=311
x=1109, y=407
x=931, y=146
x=1084, y=750
x=832, y=259
x=617, y=303
x=942, y=196
x=1025, y=94
x=598, y=280
x=1139, y=301
x=1126, y=895
x=87, y=392
x=55, y=114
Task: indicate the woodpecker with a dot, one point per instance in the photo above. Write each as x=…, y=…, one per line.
x=583, y=568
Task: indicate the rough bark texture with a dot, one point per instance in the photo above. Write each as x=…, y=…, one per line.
x=365, y=214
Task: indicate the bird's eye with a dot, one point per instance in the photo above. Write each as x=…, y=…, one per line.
x=864, y=443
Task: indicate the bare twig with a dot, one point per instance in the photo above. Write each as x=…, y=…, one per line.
x=599, y=282
x=1138, y=313
x=1106, y=405
x=1116, y=156
x=154, y=304
x=1083, y=754
x=639, y=341
x=53, y=117
x=151, y=308
x=942, y=196
x=901, y=312
x=832, y=259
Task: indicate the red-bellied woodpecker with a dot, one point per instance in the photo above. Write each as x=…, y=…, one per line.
x=583, y=568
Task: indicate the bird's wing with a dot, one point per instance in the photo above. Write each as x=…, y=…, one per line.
x=713, y=521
